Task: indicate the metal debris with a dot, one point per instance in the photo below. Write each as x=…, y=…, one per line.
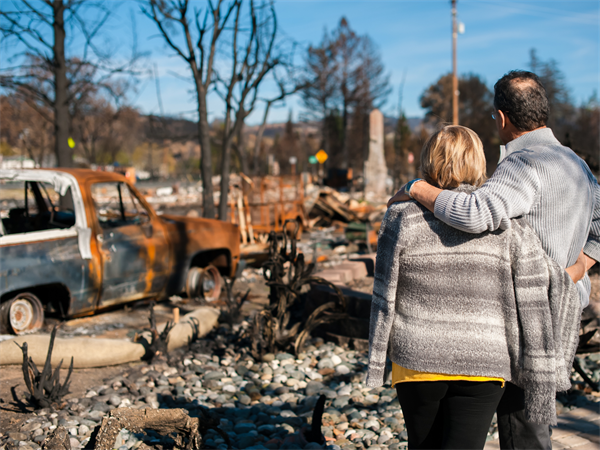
x=280, y=325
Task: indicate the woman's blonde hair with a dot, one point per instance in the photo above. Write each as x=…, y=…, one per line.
x=453, y=155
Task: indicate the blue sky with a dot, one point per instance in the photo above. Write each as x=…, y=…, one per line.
x=414, y=39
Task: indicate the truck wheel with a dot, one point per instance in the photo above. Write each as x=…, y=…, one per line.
x=23, y=314
x=204, y=282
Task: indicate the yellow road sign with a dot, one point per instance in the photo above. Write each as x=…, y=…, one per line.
x=321, y=156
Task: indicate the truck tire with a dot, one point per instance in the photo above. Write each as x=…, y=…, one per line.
x=204, y=283
x=23, y=314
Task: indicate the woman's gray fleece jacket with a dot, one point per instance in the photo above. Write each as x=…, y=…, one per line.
x=492, y=305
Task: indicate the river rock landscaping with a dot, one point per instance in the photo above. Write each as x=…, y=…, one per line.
x=258, y=404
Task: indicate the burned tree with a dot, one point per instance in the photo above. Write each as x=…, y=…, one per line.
x=44, y=387
x=474, y=108
x=46, y=76
x=24, y=128
x=345, y=80
x=320, y=91
x=255, y=54
x=102, y=130
x=199, y=51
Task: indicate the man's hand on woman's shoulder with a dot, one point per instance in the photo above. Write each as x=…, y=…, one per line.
x=420, y=190
x=405, y=192
x=400, y=196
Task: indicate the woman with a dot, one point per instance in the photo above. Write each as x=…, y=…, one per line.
x=459, y=314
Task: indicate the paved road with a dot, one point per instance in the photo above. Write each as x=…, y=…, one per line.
x=578, y=428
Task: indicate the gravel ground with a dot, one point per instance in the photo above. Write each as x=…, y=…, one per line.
x=259, y=404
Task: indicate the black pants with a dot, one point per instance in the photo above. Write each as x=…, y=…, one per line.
x=513, y=428
x=448, y=414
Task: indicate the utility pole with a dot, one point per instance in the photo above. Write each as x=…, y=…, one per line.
x=454, y=76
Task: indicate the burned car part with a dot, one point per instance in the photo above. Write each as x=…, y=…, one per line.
x=204, y=282
x=22, y=314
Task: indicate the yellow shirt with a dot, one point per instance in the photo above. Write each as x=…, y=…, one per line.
x=402, y=375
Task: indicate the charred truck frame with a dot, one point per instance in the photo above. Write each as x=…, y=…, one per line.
x=76, y=241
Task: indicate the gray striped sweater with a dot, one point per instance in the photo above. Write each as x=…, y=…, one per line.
x=492, y=305
x=546, y=183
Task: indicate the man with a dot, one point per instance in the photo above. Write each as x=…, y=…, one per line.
x=546, y=183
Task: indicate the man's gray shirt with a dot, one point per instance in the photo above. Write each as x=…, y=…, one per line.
x=550, y=186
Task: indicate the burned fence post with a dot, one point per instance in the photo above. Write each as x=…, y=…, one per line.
x=45, y=388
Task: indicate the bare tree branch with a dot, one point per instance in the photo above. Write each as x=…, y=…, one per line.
x=47, y=74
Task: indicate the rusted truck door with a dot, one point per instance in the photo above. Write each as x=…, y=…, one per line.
x=131, y=245
x=44, y=254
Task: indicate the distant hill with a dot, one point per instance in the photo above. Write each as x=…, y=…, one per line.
x=414, y=123
x=273, y=129
x=182, y=129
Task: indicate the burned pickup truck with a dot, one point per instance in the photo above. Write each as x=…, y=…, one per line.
x=76, y=241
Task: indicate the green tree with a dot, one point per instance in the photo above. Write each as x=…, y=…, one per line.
x=405, y=144
x=562, y=110
x=585, y=136
x=475, y=107
x=574, y=126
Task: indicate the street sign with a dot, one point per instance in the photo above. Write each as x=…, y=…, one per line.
x=321, y=156
x=312, y=159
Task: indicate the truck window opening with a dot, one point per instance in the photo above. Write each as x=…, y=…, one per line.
x=30, y=206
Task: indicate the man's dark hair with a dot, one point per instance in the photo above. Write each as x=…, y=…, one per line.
x=521, y=96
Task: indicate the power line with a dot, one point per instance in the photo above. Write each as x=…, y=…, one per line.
x=454, y=75
x=160, y=105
